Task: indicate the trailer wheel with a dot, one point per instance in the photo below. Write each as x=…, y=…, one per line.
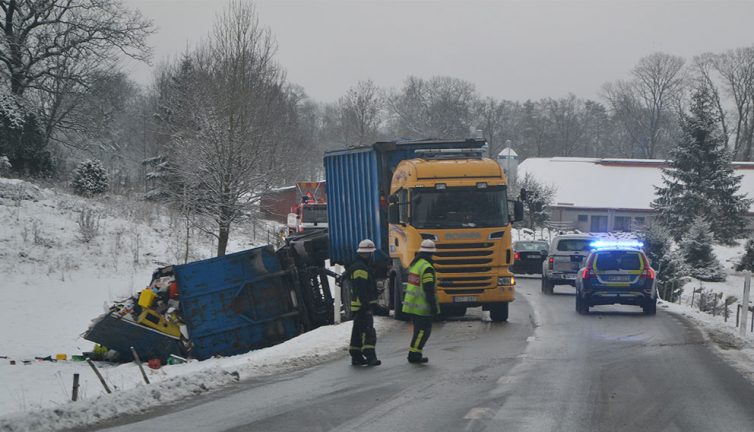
x=396, y=290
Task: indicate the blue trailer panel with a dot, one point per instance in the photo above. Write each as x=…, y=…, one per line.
x=236, y=303
x=353, y=208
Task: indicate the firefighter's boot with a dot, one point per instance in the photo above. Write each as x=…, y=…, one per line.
x=371, y=357
x=357, y=358
x=416, y=357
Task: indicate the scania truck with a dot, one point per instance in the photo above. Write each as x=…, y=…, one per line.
x=399, y=193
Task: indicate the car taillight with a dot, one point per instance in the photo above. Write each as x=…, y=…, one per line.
x=587, y=273
x=551, y=262
x=516, y=256
x=648, y=273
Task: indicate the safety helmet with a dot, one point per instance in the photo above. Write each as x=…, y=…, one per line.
x=366, y=246
x=428, y=246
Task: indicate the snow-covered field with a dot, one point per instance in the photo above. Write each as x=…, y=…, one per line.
x=53, y=284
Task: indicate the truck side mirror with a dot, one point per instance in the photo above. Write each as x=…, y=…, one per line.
x=523, y=195
x=393, y=213
x=518, y=211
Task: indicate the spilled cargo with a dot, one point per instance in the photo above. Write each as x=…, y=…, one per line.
x=222, y=306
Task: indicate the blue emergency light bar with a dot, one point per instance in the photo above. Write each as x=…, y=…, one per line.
x=602, y=244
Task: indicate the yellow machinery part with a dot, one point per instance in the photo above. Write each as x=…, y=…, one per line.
x=152, y=319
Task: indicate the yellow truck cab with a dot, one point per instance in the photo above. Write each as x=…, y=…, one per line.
x=459, y=201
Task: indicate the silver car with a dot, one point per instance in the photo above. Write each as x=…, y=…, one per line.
x=564, y=259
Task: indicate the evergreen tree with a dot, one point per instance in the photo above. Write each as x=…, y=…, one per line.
x=672, y=272
x=89, y=178
x=700, y=180
x=747, y=260
x=696, y=248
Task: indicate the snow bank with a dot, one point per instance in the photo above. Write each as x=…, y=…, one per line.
x=172, y=383
x=53, y=284
x=723, y=334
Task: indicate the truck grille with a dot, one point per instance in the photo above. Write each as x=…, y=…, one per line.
x=460, y=267
x=463, y=245
x=465, y=261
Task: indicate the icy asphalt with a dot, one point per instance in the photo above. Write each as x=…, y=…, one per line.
x=547, y=369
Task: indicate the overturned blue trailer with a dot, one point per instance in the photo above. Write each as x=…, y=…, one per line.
x=232, y=304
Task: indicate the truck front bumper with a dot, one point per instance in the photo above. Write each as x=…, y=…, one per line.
x=476, y=297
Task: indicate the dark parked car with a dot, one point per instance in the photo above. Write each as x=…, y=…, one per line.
x=529, y=255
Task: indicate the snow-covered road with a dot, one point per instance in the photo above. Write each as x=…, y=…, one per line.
x=547, y=369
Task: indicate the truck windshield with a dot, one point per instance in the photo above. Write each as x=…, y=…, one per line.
x=316, y=213
x=459, y=207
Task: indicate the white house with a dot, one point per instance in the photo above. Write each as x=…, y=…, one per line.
x=599, y=195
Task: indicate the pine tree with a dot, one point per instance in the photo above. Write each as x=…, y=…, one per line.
x=696, y=248
x=672, y=272
x=747, y=260
x=89, y=178
x=700, y=180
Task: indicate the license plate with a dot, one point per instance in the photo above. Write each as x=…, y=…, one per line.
x=569, y=276
x=618, y=278
x=465, y=299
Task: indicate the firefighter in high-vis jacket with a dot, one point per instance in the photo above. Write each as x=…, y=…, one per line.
x=420, y=300
x=363, y=300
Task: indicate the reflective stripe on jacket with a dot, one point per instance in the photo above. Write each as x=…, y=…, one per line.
x=415, y=299
x=355, y=282
x=363, y=285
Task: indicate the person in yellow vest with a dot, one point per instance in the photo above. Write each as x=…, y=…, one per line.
x=363, y=300
x=420, y=300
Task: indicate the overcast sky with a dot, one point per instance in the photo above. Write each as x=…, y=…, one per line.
x=508, y=49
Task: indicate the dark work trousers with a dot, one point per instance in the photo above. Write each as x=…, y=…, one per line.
x=422, y=330
x=363, y=336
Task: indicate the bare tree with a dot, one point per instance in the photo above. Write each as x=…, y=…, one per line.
x=736, y=68
x=361, y=113
x=494, y=118
x=38, y=35
x=441, y=107
x=644, y=104
x=564, y=116
x=228, y=144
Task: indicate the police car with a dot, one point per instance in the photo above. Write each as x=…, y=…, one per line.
x=616, y=273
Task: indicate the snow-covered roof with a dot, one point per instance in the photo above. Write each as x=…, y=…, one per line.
x=610, y=183
x=507, y=152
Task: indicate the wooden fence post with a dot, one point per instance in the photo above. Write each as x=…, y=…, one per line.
x=96, y=372
x=75, y=391
x=138, y=363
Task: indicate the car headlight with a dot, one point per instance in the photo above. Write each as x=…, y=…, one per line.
x=506, y=280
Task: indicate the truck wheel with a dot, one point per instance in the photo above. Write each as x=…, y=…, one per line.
x=345, y=299
x=547, y=286
x=650, y=307
x=396, y=282
x=499, y=312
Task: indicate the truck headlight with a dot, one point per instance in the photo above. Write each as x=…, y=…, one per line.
x=506, y=280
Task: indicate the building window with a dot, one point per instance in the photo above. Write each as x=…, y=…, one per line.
x=622, y=223
x=583, y=218
x=639, y=220
x=599, y=224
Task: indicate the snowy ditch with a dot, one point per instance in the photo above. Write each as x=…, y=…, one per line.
x=168, y=384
